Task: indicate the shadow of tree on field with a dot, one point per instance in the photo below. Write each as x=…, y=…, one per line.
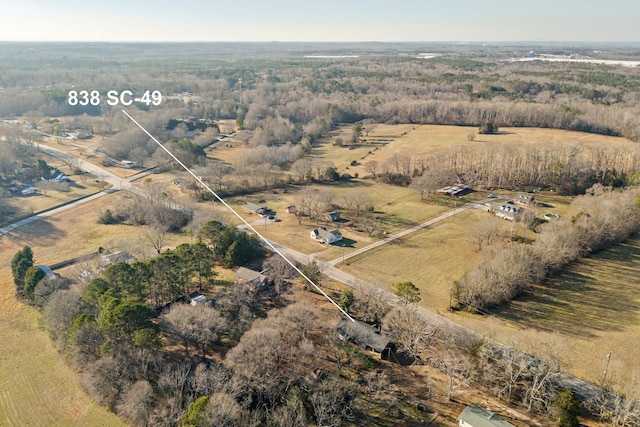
x=590, y=296
x=41, y=232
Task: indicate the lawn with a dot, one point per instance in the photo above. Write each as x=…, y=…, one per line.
x=432, y=258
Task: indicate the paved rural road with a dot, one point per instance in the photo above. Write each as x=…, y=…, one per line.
x=564, y=380
x=115, y=181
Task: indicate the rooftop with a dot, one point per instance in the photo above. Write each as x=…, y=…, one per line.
x=476, y=416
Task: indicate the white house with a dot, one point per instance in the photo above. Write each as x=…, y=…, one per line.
x=323, y=235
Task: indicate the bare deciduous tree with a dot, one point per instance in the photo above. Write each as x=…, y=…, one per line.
x=485, y=230
x=408, y=327
x=135, y=403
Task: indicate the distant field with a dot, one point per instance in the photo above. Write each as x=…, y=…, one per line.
x=418, y=139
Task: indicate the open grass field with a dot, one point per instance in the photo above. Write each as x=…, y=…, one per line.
x=432, y=258
x=419, y=139
x=589, y=310
x=397, y=209
x=37, y=387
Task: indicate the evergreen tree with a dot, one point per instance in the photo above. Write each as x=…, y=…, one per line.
x=567, y=409
x=21, y=262
x=407, y=292
x=31, y=279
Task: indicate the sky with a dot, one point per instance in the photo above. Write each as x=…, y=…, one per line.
x=318, y=20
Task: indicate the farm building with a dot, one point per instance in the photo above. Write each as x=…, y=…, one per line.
x=365, y=336
x=254, y=278
x=321, y=234
x=454, y=190
x=476, y=416
x=254, y=208
x=291, y=209
x=128, y=164
x=333, y=216
x=199, y=300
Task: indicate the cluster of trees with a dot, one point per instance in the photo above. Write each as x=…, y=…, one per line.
x=231, y=247
x=568, y=169
x=599, y=219
x=269, y=376
x=21, y=262
x=464, y=358
x=150, y=206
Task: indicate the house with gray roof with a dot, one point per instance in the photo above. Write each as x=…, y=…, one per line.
x=254, y=208
x=508, y=210
x=476, y=416
x=365, y=336
x=323, y=235
x=256, y=279
x=524, y=199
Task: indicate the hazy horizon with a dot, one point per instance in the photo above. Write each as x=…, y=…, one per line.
x=544, y=21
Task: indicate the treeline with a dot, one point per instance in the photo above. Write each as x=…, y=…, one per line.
x=285, y=99
x=599, y=219
x=567, y=169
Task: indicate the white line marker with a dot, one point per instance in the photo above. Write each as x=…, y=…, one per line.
x=267, y=242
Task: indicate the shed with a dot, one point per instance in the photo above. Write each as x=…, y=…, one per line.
x=47, y=271
x=476, y=416
x=120, y=256
x=333, y=216
x=291, y=209
x=200, y=299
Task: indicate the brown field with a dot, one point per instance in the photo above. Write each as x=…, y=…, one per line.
x=37, y=386
x=589, y=310
x=432, y=258
x=418, y=139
